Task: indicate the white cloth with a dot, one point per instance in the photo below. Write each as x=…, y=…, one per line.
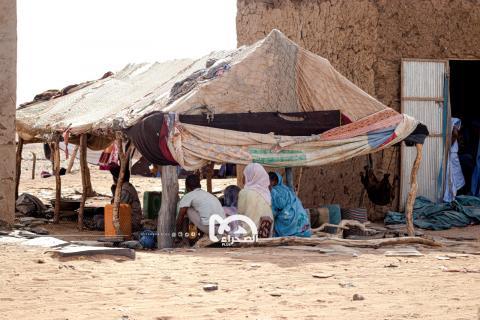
x=204, y=203
x=454, y=179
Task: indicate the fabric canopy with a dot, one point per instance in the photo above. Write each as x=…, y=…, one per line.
x=272, y=75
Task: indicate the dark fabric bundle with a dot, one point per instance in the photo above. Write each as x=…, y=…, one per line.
x=145, y=135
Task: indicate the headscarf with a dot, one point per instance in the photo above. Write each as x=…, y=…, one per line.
x=256, y=178
x=230, y=196
x=291, y=219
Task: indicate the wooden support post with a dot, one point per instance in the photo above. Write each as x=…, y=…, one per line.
x=83, y=168
x=34, y=163
x=168, y=209
x=289, y=177
x=299, y=180
x=71, y=161
x=18, y=168
x=413, y=191
x=58, y=181
x=209, y=177
x=239, y=169
x=118, y=190
x=90, y=191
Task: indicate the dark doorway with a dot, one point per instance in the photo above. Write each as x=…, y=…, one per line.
x=465, y=105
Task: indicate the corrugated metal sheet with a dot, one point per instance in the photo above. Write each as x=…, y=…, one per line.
x=422, y=95
x=422, y=79
x=428, y=112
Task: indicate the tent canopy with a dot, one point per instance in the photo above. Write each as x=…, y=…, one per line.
x=272, y=75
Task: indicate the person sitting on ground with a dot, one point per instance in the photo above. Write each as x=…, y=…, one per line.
x=230, y=197
x=230, y=204
x=254, y=200
x=128, y=196
x=290, y=217
x=198, y=205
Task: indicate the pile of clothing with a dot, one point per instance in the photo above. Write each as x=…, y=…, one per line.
x=463, y=211
x=213, y=69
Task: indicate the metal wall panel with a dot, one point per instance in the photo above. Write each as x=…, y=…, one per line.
x=422, y=97
x=422, y=79
x=429, y=112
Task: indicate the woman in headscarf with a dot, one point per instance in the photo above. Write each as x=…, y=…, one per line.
x=290, y=218
x=454, y=180
x=254, y=200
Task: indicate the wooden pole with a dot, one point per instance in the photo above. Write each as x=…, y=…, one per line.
x=58, y=181
x=118, y=190
x=71, y=161
x=209, y=177
x=18, y=169
x=168, y=209
x=34, y=163
x=239, y=169
x=413, y=191
x=83, y=167
x=299, y=180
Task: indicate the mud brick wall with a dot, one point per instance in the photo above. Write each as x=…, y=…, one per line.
x=8, y=58
x=365, y=40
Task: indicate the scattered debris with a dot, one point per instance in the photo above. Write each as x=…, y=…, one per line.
x=210, y=287
x=73, y=251
x=461, y=238
x=405, y=252
x=358, y=297
x=40, y=230
x=391, y=265
x=322, y=276
x=131, y=244
x=11, y=240
x=275, y=294
x=46, y=242
x=462, y=270
x=40, y=261
x=346, y=285
x=442, y=258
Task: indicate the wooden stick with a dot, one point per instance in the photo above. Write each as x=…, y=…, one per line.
x=118, y=190
x=83, y=168
x=71, y=161
x=18, y=169
x=239, y=169
x=58, y=181
x=209, y=176
x=167, y=213
x=413, y=191
x=371, y=243
x=299, y=180
x=34, y=163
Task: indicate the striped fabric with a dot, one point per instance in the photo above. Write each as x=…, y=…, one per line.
x=358, y=214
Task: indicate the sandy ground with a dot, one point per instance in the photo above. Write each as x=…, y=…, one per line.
x=252, y=284
x=257, y=283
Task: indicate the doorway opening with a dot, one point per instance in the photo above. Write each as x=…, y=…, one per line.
x=465, y=105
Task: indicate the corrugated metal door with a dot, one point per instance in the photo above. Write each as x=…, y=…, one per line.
x=424, y=94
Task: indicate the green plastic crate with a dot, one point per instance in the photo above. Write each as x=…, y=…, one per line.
x=152, y=200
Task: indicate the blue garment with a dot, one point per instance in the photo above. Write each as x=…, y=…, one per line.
x=291, y=219
x=461, y=212
x=476, y=175
x=454, y=179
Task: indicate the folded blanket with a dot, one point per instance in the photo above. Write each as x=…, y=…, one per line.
x=461, y=212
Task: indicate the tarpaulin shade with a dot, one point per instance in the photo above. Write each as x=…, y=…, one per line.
x=273, y=76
